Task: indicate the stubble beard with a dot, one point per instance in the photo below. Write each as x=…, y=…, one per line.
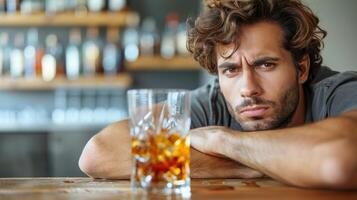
x=284, y=112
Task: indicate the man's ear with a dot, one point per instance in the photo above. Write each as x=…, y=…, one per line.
x=303, y=69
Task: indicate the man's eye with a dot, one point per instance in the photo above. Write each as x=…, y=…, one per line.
x=229, y=70
x=267, y=65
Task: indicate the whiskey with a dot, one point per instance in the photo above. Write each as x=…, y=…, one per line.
x=163, y=157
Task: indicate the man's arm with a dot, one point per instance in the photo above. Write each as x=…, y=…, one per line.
x=108, y=155
x=321, y=154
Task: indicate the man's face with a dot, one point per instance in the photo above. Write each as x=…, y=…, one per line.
x=259, y=81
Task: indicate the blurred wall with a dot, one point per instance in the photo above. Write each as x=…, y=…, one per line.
x=339, y=19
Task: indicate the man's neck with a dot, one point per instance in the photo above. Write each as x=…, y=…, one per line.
x=299, y=115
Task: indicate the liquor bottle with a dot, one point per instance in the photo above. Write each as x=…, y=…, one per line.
x=51, y=7
x=70, y=5
x=149, y=38
x=52, y=64
x=131, y=44
x=31, y=6
x=1, y=59
x=112, y=53
x=80, y=7
x=96, y=5
x=5, y=51
x=116, y=5
x=30, y=53
x=17, y=57
x=91, y=53
x=73, y=55
x=168, y=42
x=12, y=6
x=40, y=52
x=181, y=39
x=2, y=6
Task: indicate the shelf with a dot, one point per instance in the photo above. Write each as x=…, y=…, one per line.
x=123, y=18
x=49, y=127
x=119, y=81
x=159, y=63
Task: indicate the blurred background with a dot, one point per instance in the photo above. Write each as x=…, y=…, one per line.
x=65, y=66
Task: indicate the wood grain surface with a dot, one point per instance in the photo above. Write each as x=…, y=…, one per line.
x=86, y=188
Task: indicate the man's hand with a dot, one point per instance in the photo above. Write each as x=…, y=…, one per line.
x=208, y=162
x=206, y=166
x=208, y=140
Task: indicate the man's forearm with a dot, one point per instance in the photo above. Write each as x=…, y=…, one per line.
x=315, y=155
x=108, y=155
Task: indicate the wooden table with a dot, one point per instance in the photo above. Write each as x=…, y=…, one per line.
x=86, y=188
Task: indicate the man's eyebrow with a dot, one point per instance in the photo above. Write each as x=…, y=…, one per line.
x=226, y=65
x=263, y=60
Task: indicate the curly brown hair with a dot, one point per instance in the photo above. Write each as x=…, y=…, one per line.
x=220, y=21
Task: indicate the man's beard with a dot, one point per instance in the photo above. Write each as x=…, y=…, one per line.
x=284, y=111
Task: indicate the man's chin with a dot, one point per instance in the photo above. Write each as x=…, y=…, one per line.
x=257, y=125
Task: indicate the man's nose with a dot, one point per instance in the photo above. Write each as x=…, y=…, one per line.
x=249, y=84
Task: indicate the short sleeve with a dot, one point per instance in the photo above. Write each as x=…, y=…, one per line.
x=343, y=96
x=200, y=107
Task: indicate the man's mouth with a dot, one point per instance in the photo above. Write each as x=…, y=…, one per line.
x=254, y=111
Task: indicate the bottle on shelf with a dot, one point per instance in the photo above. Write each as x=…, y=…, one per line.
x=5, y=52
x=131, y=44
x=2, y=6
x=149, y=38
x=116, y=5
x=31, y=6
x=17, y=57
x=73, y=54
x=12, y=6
x=168, y=41
x=51, y=7
x=112, y=53
x=70, y=5
x=181, y=39
x=52, y=60
x=30, y=53
x=91, y=53
x=80, y=7
x=96, y=5
x=40, y=52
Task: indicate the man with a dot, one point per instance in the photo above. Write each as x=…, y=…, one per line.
x=273, y=110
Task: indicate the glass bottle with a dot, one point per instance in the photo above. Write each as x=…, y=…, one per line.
x=80, y=7
x=12, y=6
x=5, y=52
x=181, y=39
x=149, y=37
x=2, y=6
x=116, y=5
x=73, y=54
x=168, y=42
x=112, y=53
x=96, y=5
x=131, y=44
x=91, y=53
x=51, y=7
x=17, y=57
x=52, y=60
x=30, y=53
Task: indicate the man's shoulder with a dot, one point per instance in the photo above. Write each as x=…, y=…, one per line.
x=329, y=78
x=332, y=93
x=209, y=107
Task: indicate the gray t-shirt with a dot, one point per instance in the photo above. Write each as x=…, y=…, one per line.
x=330, y=94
